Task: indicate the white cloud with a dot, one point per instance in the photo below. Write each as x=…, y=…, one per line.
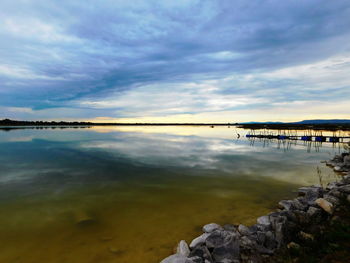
x=171, y=98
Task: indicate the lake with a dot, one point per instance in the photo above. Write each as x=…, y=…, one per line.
x=129, y=193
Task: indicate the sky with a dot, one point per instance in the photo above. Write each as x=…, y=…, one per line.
x=175, y=61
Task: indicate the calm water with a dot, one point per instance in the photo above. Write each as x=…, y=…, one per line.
x=128, y=194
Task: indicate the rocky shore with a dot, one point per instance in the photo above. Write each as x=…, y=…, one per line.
x=296, y=223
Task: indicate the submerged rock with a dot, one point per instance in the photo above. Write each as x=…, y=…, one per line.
x=83, y=218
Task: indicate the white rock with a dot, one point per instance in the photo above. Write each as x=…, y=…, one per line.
x=337, y=168
x=263, y=220
x=211, y=227
x=199, y=240
x=176, y=258
x=182, y=248
x=325, y=205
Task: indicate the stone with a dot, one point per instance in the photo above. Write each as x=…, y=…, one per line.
x=183, y=249
x=343, y=155
x=199, y=240
x=263, y=250
x=264, y=228
x=293, y=246
x=202, y=252
x=306, y=236
x=211, y=227
x=310, y=193
x=337, y=168
x=299, y=204
x=196, y=259
x=230, y=227
x=332, y=199
x=263, y=220
x=261, y=237
x=279, y=233
x=332, y=185
x=219, y=238
x=313, y=211
x=348, y=198
x=247, y=242
x=285, y=204
x=291, y=205
x=346, y=159
x=176, y=258
x=334, y=192
x=227, y=253
x=289, y=215
x=243, y=230
x=270, y=242
x=346, y=179
x=325, y=205
x=344, y=189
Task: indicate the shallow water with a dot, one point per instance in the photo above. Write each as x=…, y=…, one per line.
x=128, y=194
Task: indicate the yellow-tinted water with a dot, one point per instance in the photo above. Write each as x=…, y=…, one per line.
x=130, y=195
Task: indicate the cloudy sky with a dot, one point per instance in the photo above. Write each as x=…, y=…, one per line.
x=166, y=60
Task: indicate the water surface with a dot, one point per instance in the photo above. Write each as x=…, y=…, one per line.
x=128, y=194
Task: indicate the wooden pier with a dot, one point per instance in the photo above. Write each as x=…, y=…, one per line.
x=315, y=138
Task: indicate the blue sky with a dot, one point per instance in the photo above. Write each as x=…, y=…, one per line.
x=181, y=60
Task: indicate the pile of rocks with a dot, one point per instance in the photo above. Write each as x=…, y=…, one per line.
x=302, y=218
x=340, y=163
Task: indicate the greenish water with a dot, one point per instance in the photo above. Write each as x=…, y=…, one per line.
x=128, y=194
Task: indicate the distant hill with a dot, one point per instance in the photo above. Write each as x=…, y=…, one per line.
x=332, y=121
x=319, y=121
